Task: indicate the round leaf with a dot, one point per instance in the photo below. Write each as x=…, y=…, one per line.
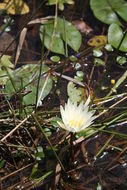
x=73, y=58
x=75, y=94
x=27, y=77
x=55, y=59
x=99, y=62
x=108, y=47
x=121, y=60
x=97, y=53
x=64, y=31
x=107, y=11
x=115, y=35
x=103, y=11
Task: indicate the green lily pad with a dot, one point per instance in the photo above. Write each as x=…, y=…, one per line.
x=108, y=47
x=121, y=60
x=97, y=53
x=73, y=58
x=55, y=59
x=99, y=62
x=26, y=78
x=75, y=94
x=64, y=32
x=107, y=11
x=115, y=36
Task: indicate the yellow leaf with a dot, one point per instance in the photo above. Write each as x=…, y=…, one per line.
x=98, y=41
x=14, y=7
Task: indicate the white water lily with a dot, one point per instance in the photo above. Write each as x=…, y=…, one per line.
x=76, y=117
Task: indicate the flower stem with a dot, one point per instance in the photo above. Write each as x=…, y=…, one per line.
x=72, y=147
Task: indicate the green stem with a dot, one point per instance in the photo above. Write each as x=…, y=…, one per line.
x=40, y=71
x=37, y=122
x=72, y=148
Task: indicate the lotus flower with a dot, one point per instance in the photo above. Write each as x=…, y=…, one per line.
x=76, y=118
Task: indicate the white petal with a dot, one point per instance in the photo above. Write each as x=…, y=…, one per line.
x=76, y=117
x=87, y=102
x=61, y=125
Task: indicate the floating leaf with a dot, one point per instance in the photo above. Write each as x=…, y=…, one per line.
x=73, y=58
x=108, y=47
x=60, y=3
x=64, y=31
x=98, y=41
x=26, y=78
x=115, y=36
x=107, y=11
x=99, y=62
x=80, y=74
x=75, y=94
x=14, y=7
x=97, y=53
x=55, y=59
x=121, y=60
x=57, y=46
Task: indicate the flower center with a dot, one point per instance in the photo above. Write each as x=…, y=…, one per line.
x=75, y=122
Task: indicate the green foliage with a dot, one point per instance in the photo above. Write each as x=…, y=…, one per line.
x=121, y=60
x=109, y=11
x=118, y=83
x=64, y=32
x=99, y=187
x=99, y=62
x=5, y=63
x=73, y=58
x=108, y=47
x=60, y=3
x=39, y=154
x=2, y=162
x=115, y=36
x=75, y=94
x=54, y=121
x=55, y=58
x=37, y=174
x=25, y=78
x=97, y=53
